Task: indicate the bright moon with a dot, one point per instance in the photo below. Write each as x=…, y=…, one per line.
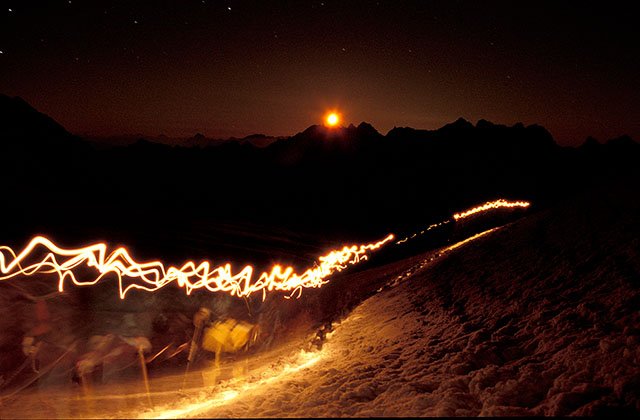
x=332, y=119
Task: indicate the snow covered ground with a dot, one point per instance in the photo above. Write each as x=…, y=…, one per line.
x=538, y=318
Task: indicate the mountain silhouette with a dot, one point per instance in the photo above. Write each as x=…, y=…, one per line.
x=590, y=143
x=18, y=118
x=344, y=182
x=318, y=143
x=24, y=130
x=200, y=140
x=569, y=267
x=623, y=142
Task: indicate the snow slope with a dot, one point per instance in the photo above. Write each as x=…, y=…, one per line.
x=538, y=318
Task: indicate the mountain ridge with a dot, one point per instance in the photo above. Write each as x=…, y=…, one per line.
x=19, y=119
x=346, y=183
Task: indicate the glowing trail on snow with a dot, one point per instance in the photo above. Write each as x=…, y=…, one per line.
x=43, y=256
x=304, y=360
x=490, y=206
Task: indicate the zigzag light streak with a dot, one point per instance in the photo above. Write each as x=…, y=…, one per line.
x=153, y=275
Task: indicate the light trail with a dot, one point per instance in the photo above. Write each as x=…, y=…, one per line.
x=469, y=239
x=154, y=275
x=422, y=232
x=424, y=263
x=304, y=360
x=490, y=206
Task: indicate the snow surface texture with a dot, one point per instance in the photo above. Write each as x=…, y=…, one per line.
x=539, y=318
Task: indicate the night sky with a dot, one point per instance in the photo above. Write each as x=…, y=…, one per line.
x=225, y=67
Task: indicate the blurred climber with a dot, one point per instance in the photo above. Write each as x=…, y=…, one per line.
x=321, y=335
x=108, y=354
x=229, y=336
x=319, y=338
x=200, y=320
x=33, y=339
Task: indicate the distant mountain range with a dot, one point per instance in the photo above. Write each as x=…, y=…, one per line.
x=343, y=183
x=19, y=119
x=199, y=140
